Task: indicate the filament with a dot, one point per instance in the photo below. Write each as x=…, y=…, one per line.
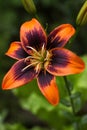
x=29, y=66
x=33, y=50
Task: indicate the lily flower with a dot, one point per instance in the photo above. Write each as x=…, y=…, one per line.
x=42, y=57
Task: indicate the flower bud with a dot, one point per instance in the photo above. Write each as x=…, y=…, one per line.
x=29, y=6
x=82, y=15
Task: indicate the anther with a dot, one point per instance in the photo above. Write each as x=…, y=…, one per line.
x=35, y=63
x=33, y=50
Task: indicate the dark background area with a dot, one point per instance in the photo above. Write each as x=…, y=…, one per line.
x=12, y=15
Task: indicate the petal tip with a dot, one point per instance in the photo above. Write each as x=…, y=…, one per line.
x=55, y=101
x=48, y=87
x=80, y=65
x=70, y=30
x=4, y=87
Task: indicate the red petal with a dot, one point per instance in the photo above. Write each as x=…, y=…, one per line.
x=16, y=77
x=48, y=87
x=60, y=36
x=16, y=51
x=32, y=34
x=64, y=62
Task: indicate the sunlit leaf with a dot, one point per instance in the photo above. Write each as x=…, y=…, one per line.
x=36, y=102
x=82, y=81
x=14, y=127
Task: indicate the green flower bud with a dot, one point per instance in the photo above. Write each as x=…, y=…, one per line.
x=29, y=6
x=82, y=15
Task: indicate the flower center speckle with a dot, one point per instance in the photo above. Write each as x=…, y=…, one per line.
x=37, y=59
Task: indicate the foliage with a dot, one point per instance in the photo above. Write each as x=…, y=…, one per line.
x=53, y=12
x=31, y=99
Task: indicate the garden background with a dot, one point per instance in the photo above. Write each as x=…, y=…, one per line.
x=25, y=108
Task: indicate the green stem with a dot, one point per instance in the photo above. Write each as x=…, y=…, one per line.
x=69, y=93
x=71, y=101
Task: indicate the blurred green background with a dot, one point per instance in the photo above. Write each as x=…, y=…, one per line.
x=25, y=108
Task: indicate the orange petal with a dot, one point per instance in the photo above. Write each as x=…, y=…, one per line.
x=16, y=51
x=48, y=87
x=32, y=34
x=16, y=77
x=60, y=36
x=64, y=62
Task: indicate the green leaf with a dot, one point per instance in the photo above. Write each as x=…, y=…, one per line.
x=76, y=95
x=84, y=119
x=77, y=104
x=38, y=128
x=83, y=123
x=62, y=89
x=14, y=127
x=79, y=81
x=83, y=78
x=26, y=90
x=36, y=102
x=65, y=102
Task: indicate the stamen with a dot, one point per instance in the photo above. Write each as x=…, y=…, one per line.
x=33, y=50
x=42, y=50
x=47, y=56
x=32, y=57
x=37, y=59
x=27, y=58
x=38, y=67
x=29, y=66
